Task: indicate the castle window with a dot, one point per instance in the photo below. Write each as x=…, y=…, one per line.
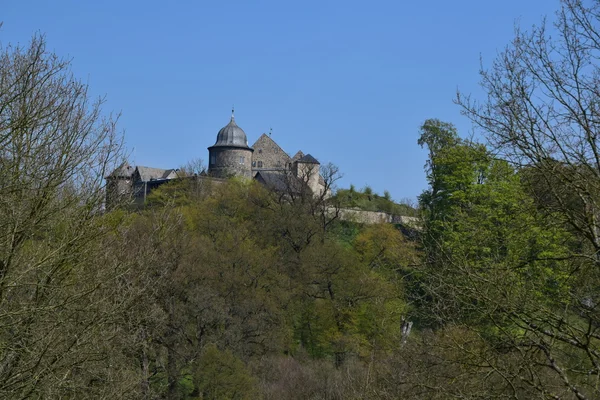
x=253, y=164
x=260, y=164
x=213, y=160
x=242, y=159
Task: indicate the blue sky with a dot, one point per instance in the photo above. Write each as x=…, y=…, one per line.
x=349, y=82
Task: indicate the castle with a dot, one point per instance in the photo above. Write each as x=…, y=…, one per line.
x=265, y=161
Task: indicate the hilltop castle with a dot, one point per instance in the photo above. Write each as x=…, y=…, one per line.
x=265, y=161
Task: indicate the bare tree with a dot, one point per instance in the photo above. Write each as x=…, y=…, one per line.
x=304, y=192
x=193, y=167
x=56, y=146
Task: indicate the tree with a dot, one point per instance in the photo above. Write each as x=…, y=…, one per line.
x=454, y=167
x=222, y=376
x=541, y=113
x=56, y=308
x=496, y=278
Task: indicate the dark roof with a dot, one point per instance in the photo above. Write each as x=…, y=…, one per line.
x=231, y=135
x=279, y=181
x=149, y=174
x=276, y=169
x=308, y=159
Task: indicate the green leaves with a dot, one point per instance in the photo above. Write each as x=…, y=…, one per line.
x=220, y=375
x=496, y=264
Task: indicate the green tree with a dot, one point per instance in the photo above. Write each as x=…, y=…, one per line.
x=504, y=271
x=236, y=275
x=541, y=113
x=223, y=376
x=454, y=169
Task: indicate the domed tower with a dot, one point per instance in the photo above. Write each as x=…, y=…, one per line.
x=230, y=155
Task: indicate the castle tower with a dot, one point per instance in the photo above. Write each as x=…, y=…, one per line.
x=230, y=155
x=307, y=170
x=119, y=185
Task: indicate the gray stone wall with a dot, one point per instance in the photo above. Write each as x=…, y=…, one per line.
x=364, y=217
x=268, y=155
x=376, y=217
x=227, y=161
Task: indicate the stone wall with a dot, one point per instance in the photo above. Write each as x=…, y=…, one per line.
x=226, y=161
x=375, y=217
x=268, y=155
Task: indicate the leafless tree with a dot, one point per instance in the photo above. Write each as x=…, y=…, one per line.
x=193, y=167
x=305, y=191
x=56, y=146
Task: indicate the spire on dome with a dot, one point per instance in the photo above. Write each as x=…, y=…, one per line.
x=231, y=135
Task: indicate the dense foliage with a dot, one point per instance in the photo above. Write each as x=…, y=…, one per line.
x=249, y=279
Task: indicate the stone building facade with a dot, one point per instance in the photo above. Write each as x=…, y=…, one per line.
x=268, y=155
x=230, y=162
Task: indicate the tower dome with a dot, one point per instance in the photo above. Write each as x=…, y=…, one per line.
x=230, y=155
x=231, y=135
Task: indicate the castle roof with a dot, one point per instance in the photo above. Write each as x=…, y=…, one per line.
x=308, y=159
x=280, y=181
x=231, y=135
x=147, y=174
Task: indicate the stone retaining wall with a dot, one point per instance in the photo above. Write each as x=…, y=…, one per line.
x=375, y=217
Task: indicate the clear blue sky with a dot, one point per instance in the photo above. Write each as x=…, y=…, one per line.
x=349, y=82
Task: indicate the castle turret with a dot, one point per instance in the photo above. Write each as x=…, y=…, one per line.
x=307, y=169
x=230, y=155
